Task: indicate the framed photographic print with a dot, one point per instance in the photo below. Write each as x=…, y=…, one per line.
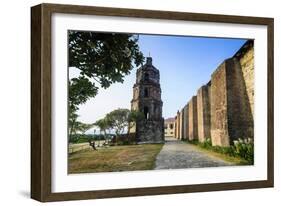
x=130, y=102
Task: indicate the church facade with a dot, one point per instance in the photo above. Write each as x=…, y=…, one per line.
x=147, y=99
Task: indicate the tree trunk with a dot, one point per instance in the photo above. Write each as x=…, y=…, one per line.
x=116, y=139
x=70, y=131
x=128, y=132
x=105, y=138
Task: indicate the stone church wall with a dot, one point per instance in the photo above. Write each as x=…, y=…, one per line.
x=203, y=112
x=185, y=122
x=224, y=108
x=175, y=128
x=178, y=125
x=181, y=125
x=219, y=117
x=193, y=127
x=247, y=65
x=239, y=108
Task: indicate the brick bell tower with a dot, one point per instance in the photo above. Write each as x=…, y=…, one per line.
x=147, y=99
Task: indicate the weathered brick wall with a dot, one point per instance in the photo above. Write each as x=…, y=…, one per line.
x=240, y=119
x=181, y=125
x=150, y=132
x=231, y=116
x=224, y=108
x=178, y=125
x=193, y=128
x=185, y=122
x=203, y=112
x=175, y=128
x=247, y=66
x=219, y=121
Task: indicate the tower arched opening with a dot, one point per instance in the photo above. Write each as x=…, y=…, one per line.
x=146, y=112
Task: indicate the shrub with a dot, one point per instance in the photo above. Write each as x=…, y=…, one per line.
x=124, y=139
x=81, y=138
x=242, y=148
x=194, y=141
x=206, y=144
x=245, y=149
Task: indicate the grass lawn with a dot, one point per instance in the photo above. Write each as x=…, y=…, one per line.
x=114, y=158
x=227, y=158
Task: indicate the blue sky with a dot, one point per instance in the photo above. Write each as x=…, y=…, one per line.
x=185, y=64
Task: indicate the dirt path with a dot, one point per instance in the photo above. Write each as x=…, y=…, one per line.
x=176, y=154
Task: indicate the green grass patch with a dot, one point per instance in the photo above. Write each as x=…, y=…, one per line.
x=114, y=159
x=227, y=158
x=241, y=153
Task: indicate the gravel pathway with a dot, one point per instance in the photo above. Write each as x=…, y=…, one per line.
x=176, y=154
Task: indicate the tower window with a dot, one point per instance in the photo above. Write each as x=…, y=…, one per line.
x=146, y=112
x=146, y=76
x=146, y=92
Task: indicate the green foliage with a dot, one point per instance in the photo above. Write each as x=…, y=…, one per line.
x=82, y=138
x=133, y=117
x=80, y=127
x=207, y=143
x=105, y=57
x=224, y=150
x=79, y=138
x=245, y=149
x=118, y=120
x=242, y=148
x=72, y=118
x=124, y=139
x=80, y=90
x=102, y=59
x=83, y=127
x=103, y=124
x=194, y=141
x=75, y=127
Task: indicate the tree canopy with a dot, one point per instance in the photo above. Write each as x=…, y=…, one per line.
x=103, y=124
x=101, y=59
x=119, y=120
